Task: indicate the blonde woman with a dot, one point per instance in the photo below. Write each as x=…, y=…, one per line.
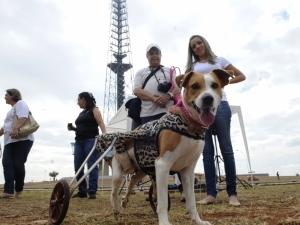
x=202, y=59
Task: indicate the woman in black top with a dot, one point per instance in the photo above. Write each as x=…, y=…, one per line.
x=86, y=129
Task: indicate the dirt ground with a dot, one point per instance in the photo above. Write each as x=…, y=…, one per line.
x=270, y=204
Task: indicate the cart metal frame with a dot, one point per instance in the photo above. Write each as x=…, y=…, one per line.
x=62, y=192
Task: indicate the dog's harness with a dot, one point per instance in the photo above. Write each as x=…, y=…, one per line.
x=146, y=136
x=146, y=151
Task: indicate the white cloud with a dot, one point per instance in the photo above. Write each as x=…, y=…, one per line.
x=292, y=166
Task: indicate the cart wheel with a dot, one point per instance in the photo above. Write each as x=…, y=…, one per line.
x=153, y=201
x=59, y=202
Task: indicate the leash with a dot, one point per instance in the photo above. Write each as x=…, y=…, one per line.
x=178, y=97
x=172, y=70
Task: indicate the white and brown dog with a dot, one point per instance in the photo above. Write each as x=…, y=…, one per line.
x=177, y=152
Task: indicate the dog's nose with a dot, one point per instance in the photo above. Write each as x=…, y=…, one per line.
x=208, y=100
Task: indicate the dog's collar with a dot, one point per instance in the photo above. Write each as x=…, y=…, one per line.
x=187, y=113
x=196, y=107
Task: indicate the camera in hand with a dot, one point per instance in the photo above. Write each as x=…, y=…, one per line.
x=164, y=87
x=70, y=125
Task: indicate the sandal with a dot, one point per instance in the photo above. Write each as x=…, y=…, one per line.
x=6, y=195
x=207, y=200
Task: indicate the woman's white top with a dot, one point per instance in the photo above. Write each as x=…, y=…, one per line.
x=22, y=111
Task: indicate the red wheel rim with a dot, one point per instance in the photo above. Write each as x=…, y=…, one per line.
x=59, y=202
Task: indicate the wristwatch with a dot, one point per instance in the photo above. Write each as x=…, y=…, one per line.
x=171, y=95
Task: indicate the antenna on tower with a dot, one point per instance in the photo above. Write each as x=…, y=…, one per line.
x=119, y=71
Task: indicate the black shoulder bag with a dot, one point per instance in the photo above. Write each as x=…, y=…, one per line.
x=134, y=104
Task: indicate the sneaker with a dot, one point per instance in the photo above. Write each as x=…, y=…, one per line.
x=92, y=195
x=79, y=195
x=220, y=187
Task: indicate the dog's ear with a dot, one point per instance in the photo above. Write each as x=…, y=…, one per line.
x=186, y=78
x=223, y=76
x=179, y=79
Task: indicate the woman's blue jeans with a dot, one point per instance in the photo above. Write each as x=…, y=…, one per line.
x=14, y=159
x=222, y=127
x=81, y=151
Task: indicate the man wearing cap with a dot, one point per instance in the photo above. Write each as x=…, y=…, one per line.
x=155, y=103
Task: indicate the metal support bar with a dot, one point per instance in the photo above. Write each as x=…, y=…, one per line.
x=93, y=166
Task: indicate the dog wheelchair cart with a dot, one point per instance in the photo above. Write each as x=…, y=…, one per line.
x=62, y=192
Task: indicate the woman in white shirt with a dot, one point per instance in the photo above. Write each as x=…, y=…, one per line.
x=16, y=149
x=201, y=59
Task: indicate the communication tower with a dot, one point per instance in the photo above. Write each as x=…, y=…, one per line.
x=119, y=71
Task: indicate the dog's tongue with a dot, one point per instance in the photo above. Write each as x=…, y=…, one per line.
x=207, y=117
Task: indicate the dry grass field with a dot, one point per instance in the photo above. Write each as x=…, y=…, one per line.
x=264, y=205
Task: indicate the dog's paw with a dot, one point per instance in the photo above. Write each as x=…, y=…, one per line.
x=204, y=223
x=116, y=214
x=124, y=202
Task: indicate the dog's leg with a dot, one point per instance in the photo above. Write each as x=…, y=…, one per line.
x=162, y=168
x=133, y=180
x=116, y=183
x=187, y=178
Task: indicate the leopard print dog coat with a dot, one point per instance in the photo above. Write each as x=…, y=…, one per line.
x=146, y=138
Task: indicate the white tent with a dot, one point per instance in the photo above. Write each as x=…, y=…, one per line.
x=120, y=122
